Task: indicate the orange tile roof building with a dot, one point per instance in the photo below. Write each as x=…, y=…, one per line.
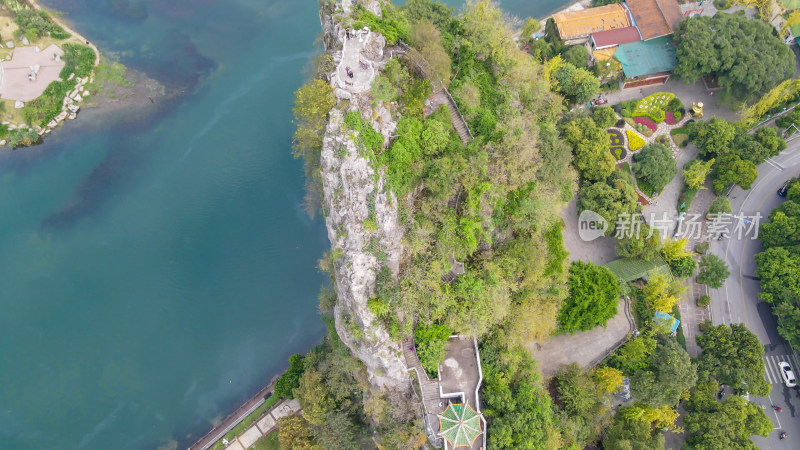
x=577, y=26
x=655, y=18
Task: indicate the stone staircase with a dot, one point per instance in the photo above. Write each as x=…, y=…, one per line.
x=453, y=202
x=430, y=388
x=458, y=121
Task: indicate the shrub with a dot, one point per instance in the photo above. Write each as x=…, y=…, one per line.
x=704, y=301
x=635, y=142
x=604, y=116
x=22, y=137
x=674, y=105
x=702, y=247
x=647, y=122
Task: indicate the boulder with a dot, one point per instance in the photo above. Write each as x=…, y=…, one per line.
x=25, y=41
x=72, y=116
x=52, y=123
x=85, y=93
x=78, y=98
x=19, y=105
x=2, y=142
x=10, y=44
x=71, y=76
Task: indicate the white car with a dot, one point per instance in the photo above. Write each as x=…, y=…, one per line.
x=788, y=376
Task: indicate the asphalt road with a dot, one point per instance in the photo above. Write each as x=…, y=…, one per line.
x=737, y=301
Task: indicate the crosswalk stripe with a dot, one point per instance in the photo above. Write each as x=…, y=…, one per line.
x=770, y=376
x=771, y=366
x=773, y=371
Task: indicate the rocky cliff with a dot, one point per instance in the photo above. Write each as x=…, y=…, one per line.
x=360, y=213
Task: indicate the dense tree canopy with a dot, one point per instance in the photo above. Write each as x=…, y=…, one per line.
x=655, y=164
x=729, y=424
x=609, y=199
x=733, y=356
x=669, y=374
x=743, y=54
x=779, y=264
x=593, y=297
x=576, y=83
x=591, y=148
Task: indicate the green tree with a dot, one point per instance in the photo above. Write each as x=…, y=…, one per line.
x=608, y=379
x=429, y=10
x=720, y=205
x=662, y=292
x=632, y=434
x=733, y=356
x=604, y=116
x=713, y=271
x=724, y=46
x=695, y=173
x=577, y=391
x=668, y=375
x=645, y=245
x=683, y=267
x=634, y=354
x=311, y=106
x=725, y=425
x=531, y=26
x=779, y=271
x=578, y=56
x=655, y=164
x=593, y=297
x=713, y=137
x=518, y=410
x=286, y=383
x=591, y=148
x=295, y=434
x=578, y=85
x=426, y=38
x=608, y=201
x=731, y=169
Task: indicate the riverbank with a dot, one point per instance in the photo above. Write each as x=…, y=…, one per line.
x=43, y=49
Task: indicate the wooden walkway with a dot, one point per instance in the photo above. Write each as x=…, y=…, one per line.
x=232, y=420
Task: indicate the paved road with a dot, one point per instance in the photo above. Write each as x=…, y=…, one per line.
x=737, y=301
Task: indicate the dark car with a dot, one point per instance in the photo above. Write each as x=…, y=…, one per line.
x=782, y=191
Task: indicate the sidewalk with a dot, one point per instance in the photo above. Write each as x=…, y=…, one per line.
x=265, y=425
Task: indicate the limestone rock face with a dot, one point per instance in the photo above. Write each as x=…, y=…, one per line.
x=362, y=221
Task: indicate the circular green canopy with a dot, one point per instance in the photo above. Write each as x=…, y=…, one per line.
x=460, y=425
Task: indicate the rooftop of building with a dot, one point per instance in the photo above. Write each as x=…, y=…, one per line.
x=591, y=20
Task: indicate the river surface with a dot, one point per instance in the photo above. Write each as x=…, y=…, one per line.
x=157, y=270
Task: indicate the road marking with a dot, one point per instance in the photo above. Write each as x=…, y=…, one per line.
x=775, y=413
x=774, y=164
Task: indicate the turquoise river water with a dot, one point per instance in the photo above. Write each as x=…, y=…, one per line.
x=157, y=270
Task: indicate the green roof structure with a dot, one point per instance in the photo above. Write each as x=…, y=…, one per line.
x=460, y=425
x=647, y=57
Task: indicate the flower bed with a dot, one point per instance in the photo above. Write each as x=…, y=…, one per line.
x=652, y=103
x=672, y=118
x=646, y=121
x=617, y=143
x=635, y=142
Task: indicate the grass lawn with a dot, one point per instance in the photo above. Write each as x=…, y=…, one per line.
x=248, y=421
x=645, y=187
x=629, y=269
x=685, y=198
x=9, y=114
x=268, y=442
x=681, y=140
x=676, y=313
